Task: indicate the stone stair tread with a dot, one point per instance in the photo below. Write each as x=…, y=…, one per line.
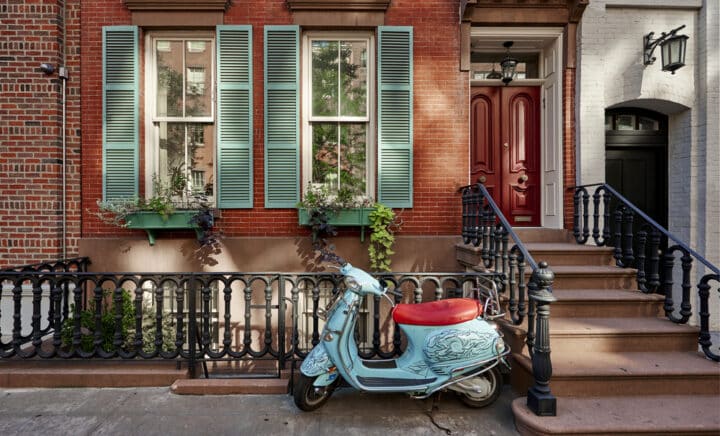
x=630, y=364
x=645, y=325
x=673, y=414
x=587, y=270
x=605, y=295
x=566, y=246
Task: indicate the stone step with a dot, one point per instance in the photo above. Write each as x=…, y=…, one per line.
x=232, y=386
x=629, y=373
x=593, y=277
x=602, y=303
x=580, y=335
x=527, y=235
x=79, y=373
x=557, y=253
x=591, y=416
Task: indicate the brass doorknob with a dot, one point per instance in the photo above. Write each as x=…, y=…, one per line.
x=506, y=145
x=523, y=178
x=482, y=179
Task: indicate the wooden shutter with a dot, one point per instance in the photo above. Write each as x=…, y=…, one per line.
x=235, y=117
x=282, y=144
x=395, y=116
x=120, y=112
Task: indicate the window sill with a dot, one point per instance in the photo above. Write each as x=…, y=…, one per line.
x=152, y=222
x=343, y=218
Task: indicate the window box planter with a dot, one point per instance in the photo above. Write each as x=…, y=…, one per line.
x=152, y=222
x=343, y=218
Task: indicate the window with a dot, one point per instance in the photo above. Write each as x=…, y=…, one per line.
x=337, y=124
x=183, y=116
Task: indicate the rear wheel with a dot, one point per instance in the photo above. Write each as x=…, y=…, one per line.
x=308, y=397
x=481, y=390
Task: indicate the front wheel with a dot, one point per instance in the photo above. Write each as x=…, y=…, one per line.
x=308, y=397
x=481, y=390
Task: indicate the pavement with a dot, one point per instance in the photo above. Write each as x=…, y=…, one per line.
x=156, y=411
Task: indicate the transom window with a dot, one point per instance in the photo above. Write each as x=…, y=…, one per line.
x=337, y=96
x=183, y=116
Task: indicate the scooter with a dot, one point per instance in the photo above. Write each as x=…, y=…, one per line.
x=452, y=344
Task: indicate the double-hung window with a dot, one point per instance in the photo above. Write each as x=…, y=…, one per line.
x=338, y=122
x=180, y=93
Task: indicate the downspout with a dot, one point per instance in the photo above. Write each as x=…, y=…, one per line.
x=63, y=75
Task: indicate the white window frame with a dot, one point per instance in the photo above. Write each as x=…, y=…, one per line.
x=152, y=129
x=306, y=104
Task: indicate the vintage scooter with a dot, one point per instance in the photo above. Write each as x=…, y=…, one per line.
x=451, y=345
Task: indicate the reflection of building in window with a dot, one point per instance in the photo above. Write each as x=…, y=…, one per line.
x=198, y=180
x=195, y=80
x=197, y=135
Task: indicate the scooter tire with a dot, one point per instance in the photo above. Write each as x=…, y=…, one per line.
x=495, y=379
x=306, y=397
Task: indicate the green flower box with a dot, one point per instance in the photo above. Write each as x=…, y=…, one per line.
x=345, y=217
x=151, y=222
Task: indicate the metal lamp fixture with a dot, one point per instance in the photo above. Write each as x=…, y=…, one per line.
x=508, y=64
x=672, y=48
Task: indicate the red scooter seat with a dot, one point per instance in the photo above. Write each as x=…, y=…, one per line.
x=443, y=312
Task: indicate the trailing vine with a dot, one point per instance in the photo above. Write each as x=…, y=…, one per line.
x=382, y=223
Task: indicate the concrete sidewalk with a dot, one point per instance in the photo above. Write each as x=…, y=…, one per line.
x=156, y=411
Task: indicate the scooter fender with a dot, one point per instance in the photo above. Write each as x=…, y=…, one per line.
x=318, y=364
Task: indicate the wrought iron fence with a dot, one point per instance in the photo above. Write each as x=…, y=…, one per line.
x=484, y=225
x=195, y=317
x=640, y=242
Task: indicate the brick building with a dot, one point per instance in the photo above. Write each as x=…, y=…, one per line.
x=419, y=121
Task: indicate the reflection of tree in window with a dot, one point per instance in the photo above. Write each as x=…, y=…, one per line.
x=339, y=112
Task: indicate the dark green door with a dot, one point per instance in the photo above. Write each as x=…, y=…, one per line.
x=636, y=159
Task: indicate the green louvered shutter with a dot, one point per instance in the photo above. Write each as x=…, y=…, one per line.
x=120, y=112
x=234, y=121
x=282, y=144
x=395, y=116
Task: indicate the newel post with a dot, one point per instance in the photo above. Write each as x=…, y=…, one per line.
x=539, y=399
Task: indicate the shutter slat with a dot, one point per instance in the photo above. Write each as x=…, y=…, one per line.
x=395, y=125
x=120, y=112
x=234, y=125
x=282, y=145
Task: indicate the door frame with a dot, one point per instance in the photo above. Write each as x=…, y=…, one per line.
x=550, y=42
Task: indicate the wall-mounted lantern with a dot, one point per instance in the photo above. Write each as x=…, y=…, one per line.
x=672, y=48
x=508, y=64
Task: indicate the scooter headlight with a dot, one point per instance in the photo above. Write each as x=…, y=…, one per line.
x=352, y=284
x=499, y=346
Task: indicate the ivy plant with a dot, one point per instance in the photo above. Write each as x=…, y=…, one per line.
x=382, y=224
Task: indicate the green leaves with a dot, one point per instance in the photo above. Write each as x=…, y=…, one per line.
x=382, y=238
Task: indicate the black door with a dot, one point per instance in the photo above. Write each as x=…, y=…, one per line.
x=636, y=159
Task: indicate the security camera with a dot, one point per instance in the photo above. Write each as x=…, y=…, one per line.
x=47, y=68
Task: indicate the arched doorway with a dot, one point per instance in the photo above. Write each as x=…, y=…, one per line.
x=636, y=143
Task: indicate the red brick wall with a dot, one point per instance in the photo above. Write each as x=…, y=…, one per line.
x=440, y=123
x=30, y=131
x=568, y=145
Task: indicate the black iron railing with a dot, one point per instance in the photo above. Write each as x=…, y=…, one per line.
x=640, y=242
x=484, y=225
x=196, y=317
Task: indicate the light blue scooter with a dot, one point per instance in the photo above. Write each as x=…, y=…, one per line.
x=451, y=344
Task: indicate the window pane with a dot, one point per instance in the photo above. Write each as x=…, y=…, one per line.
x=608, y=122
x=198, y=79
x=200, y=158
x=353, y=141
x=169, y=55
x=353, y=73
x=180, y=153
x=324, y=78
x=172, y=151
x=325, y=155
x=626, y=122
x=645, y=123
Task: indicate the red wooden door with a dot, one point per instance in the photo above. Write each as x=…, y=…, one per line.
x=505, y=149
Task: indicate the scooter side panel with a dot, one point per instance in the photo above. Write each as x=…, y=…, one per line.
x=317, y=362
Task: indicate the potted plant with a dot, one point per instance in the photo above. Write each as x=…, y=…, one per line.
x=323, y=210
x=172, y=206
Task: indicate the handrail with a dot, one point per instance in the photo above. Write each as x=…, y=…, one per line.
x=653, y=223
x=637, y=244
x=483, y=223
